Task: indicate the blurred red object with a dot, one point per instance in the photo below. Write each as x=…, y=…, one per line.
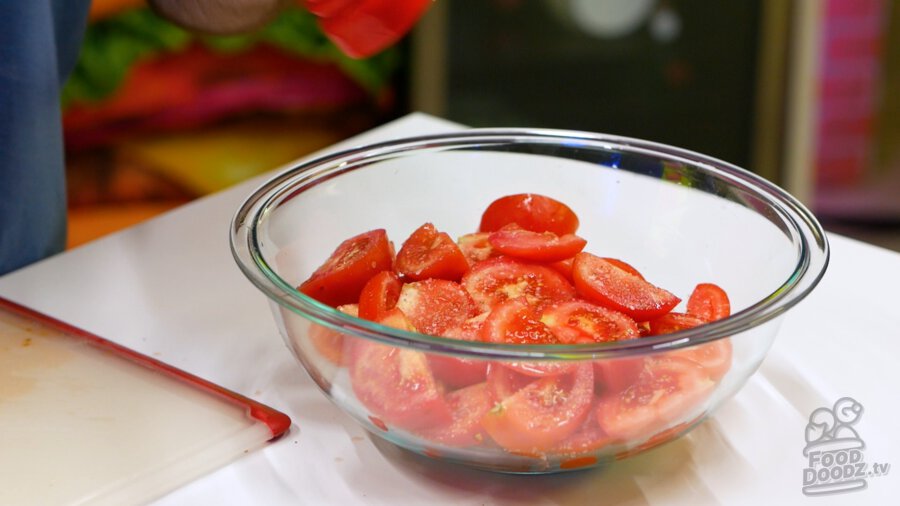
x=361, y=28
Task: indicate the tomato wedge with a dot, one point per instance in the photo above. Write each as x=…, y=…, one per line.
x=543, y=413
x=460, y=372
x=435, y=305
x=709, y=302
x=468, y=406
x=379, y=295
x=587, y=440
x=673, y=322
x=517, y=242
x=330, y=343
x=616, y=374
x=530, y=211
x=667, y=390
x=475, y=247
x=602, y=282
x=429, y=254
x=503, y=381
x=578, y=321
x=500, y=279
x=342, y=277
x=714, y=357
x=396, y=385
x=625, y=266
x=516, y=322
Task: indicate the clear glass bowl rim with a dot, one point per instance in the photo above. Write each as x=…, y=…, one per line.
x=810, y=267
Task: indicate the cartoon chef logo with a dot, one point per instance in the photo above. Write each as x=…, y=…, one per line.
x=834, y=451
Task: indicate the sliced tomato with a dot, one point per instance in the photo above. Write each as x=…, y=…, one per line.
x=668, y=390
x=530, y=211
x=500, y=279
x=468, y=406
x=578, y=321
x=342, y=277
x=379, y=295
x=328, y=342
x=625, y=266
x=475, y=247
x=435, y=305
x=517, y=242
x=709, y=302
x=601, y=282
x=616, y=374
x=563, y=267
x=428, y=253
x=458, y=372
x=396, y=386
x=516, y=322
x=587, y=440
x=714, y=357
x=673, y=322
x=543, y=413
x=503, y=381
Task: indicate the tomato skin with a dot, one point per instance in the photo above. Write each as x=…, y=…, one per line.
x=500, y=279
x=607, y=285
x=579, y=321
x=503, y=381
x=543, y=413
x=468, y=406
x=530, y=211
x=460, y=372
x=668, y=389
x=435, y=305
x=673, y=322
x=709, y=302
x=396, y=385
x=342, y=277
x=564, y=267
x=430, y=254
x=535, y=246
x=379, y=295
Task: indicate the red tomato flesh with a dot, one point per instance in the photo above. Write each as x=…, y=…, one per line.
x=668, y=389
x=475, y=247
x=342, y=277
x=468, y=406
x=330, y=343
x=460, y=372
x=709, y=302
x=396, y=385
x=435, y=305
x=535, y=246
x=428, y=254
x=530, y=211
x=500, y=279
x=577, y=321
x=603, y=283
x=543, y=413
x=379, y=295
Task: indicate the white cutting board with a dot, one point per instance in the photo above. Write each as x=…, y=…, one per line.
x=84, y=421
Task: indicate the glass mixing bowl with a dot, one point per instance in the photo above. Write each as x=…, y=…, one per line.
x=680, y=217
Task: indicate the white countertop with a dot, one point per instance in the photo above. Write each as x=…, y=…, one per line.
x=170, y=289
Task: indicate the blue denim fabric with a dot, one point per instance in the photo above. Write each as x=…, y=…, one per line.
x=39, y=42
